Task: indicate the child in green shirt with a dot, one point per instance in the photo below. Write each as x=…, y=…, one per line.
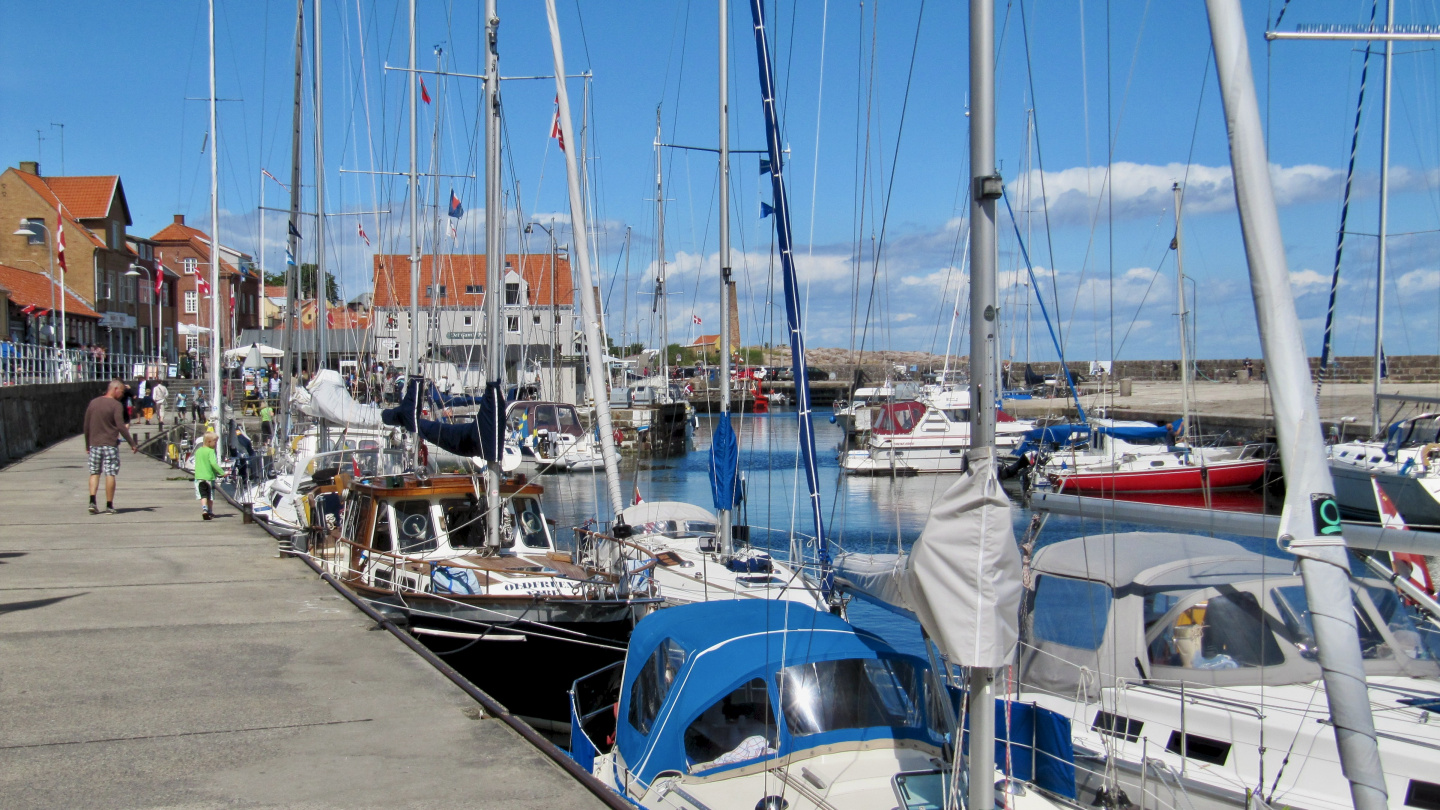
x=207, y=472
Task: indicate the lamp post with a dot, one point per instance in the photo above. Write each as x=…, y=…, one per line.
x=554, y=327
x=155, y=311
x=28, y=228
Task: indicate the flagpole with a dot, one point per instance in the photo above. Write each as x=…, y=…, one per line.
x=217, y=408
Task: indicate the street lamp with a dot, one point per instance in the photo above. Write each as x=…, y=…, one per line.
x=156, y=313
x=30, y=229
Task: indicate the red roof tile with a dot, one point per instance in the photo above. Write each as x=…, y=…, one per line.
x=196, y=239
x=88, y=197
x=274, y=291
x=28, y=288
x=458, y=272
x=40, y=187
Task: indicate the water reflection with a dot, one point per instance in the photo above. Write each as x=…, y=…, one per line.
x=863, y=514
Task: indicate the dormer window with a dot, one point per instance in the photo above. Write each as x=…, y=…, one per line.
x=512, y=293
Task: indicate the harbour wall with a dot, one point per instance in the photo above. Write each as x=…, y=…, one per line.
x=1418, y=368
x=36, y=416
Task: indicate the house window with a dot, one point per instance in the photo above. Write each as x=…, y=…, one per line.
x=37, y=231
x=192, y=343
x=469, y=320
x=192, y=302
x=430, y=291
x=512, y=294
x=188, y=265
x=512, y=324
x=535, y=319
x=473, y=289
x=127, y=290
x=390, y=321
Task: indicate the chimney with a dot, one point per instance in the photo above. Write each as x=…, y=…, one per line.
x=30, y=167
x=179, y=219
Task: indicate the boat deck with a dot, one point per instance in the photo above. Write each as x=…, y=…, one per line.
x=152, y=659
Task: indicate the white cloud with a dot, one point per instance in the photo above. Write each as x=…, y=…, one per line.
x=1418, y=281
x=1305, y=282
x=903, y=316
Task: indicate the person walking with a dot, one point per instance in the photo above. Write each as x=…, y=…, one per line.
x=159, y=393
x=104, y=425
x=267, y=423
x=207, y=472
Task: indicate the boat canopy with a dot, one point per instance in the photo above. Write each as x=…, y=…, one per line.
x=1073, y=432
x=1165, y=608
x=703, y=686
x=898, y=417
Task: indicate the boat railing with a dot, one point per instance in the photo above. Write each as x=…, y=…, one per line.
x=632, y=565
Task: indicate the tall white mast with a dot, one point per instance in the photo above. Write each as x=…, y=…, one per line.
x=217, y=410
x=414, y=223
x=660, y=294
x=494, y=257
x=292, y=267
x=322, y=286
x=1184, y=339
x=594, y=343
x=724, y=524
x=1310, y=520
x=1384, y=225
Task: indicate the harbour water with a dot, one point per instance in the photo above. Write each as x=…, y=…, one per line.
x=862, y=514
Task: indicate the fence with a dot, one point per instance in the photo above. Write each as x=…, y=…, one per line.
x=29, y=364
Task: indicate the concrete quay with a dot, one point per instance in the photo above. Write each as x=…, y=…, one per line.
x=152, y=659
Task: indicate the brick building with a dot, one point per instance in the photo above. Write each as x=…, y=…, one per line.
x=186, y=250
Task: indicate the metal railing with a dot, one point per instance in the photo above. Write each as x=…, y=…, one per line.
x=31, y=364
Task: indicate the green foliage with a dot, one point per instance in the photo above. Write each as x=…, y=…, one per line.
x=308, y=273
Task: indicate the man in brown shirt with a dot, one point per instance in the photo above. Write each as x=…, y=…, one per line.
x=104, y=425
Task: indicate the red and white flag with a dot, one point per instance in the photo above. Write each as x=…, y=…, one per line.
x=159, y=277
x=1389, y=514
x=60, y=238
x=424, y=94
x=697, y=319
x=329, y=318
x=361, y=229
x=276, y=179
x=638, y=499
x=555, y=127
x=28, y=309
x=201, y=285
x=232, y=300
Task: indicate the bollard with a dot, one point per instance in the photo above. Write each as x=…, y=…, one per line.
x=1127, y=386
x=245, y=515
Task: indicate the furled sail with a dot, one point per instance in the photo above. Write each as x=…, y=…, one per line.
x=330, y=401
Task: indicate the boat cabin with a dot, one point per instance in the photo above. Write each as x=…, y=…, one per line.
x=531, y=418
x=761, y=681
x=1170, y=608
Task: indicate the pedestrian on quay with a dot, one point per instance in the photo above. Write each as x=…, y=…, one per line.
x=198, y=406
x=159, y=393
x=104, y=425
x=207, y=472
x=267, y=423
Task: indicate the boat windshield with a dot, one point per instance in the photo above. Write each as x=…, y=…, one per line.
x=1414, y=640
x=1226, y=631
x=416, y=528
x=1419, y=432
x=877, y=692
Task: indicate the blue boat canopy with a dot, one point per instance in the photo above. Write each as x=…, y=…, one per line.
x=1062, y=434
x=715, y=686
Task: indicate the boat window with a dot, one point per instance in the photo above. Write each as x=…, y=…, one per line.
x=958, y=414
x=531, y=523
x=545, y=418
x=877, y=692
x=647, y=693
x=380, y=537
x=1417, y=638
x=569, y=421
x=737, y=728
x=1072, y=612
x=464, y=521
x=1295, y=611
x=355, y=509
x=417, y=530
x=1227, y=631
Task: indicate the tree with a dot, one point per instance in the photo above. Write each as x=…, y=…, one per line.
x=307, y=283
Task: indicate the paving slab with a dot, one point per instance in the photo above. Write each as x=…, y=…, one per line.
x=152, y=659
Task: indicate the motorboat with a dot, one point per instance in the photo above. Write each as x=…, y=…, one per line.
x=916, y=437
x=1189, y=672
x=551, y=438
x=692, y=565
x=1406, y=466
x=738, y=704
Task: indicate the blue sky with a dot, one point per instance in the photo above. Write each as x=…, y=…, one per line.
x=1134, y=75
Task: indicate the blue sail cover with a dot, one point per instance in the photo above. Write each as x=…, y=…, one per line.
x=724, y=464
x=792, y=290
x=1033, y=744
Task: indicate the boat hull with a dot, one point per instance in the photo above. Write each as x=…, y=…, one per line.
x=1417, y=503
x=1224, y=475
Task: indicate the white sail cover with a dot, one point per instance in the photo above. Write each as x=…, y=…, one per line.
x=331, y=402
x=963, y=578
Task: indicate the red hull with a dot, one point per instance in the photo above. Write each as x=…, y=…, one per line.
x=1220, y=475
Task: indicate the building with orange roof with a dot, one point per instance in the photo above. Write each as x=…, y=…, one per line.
x=540, y=324
x=186, y=249
x=92, y=213
x=30, y=309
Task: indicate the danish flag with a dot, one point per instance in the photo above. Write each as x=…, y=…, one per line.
x=697, y=320
x=555, y=127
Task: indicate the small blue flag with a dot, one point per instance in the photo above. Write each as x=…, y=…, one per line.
x=764, y=165
x=289, y=257
x=295, y=232
x=455, y=209
x=766, y=209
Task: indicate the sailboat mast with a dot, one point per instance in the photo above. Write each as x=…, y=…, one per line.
x=1185, y=372
x=494, y=261
x=724, y=523
x=322, y=287
x=1310, y=521
x=594, y=341
x=1384, y=225
x=986, y=188
x=414, y=221
x=217, y=409
x=292, y=270
x=660, y=261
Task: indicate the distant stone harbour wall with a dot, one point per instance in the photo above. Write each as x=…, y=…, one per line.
x=33, y=417
x=1417, y=368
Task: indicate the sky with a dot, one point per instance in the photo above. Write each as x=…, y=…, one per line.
x=1100, y=108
